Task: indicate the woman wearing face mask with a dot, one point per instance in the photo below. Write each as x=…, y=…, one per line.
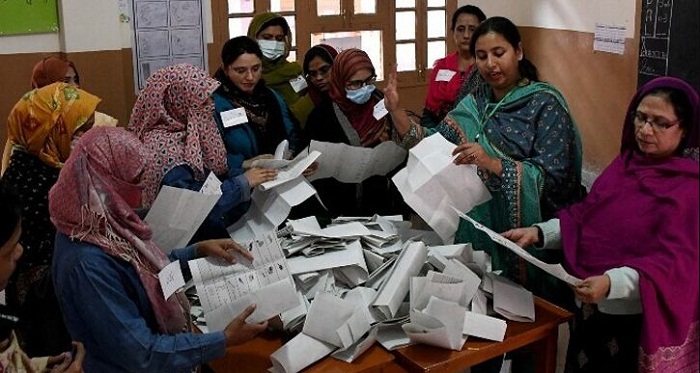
x=451, y=72
x=43, y=125
x=273, y=34
x=348, y=118
x=317, y=70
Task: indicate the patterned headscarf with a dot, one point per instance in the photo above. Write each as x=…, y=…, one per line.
x=93, y=201
x=44, y=120
x=51, y=69
x=173, y=117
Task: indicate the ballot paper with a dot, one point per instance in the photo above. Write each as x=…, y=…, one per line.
x=300, y=352
x=396, y=286
x=270, y=208
x=440, y=324
x=176, y=214
x=225, y=289
x=291, y=171
x=431, y=184
x=439, y=285
x=278, y=160
x=353, y=164
x=512, y=301
x=351, y=353
x=483, y=326
x=337, y=321
x=351, y=256
x=555, y=270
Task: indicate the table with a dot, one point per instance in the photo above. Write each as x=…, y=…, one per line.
x=541, y=334
x=254, y=356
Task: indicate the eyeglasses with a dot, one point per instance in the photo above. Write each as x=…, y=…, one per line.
x=658, y=124
x=357, y=84
x=322, y=72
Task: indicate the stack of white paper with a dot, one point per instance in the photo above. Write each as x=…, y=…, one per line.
x=395, y=288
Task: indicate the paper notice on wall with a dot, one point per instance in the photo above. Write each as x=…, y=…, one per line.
x=609, y=38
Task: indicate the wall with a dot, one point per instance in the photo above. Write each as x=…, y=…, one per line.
x=99, y=44
x=558, y=38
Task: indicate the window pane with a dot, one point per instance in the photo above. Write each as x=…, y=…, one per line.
x=369, y=41
x=240, y=6
x=365, y=6
x=328, y=7
x=436, y=3
x=405, y=25
x=291, y=20
x=436, y=24
x=436, y=49
x=405, y=3
x=238, y=26
x=281, y=5
x=407, y=61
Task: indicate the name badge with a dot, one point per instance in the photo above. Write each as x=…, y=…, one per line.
x=298, y=83
x=380, y=110
x=444, y=75
x=234, y=117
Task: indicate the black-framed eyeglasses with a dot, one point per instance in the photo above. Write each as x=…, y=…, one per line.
x=357, y=84
x=321, y=72
x=657, y=124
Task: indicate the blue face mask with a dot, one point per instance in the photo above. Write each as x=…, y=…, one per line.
x=361, y=95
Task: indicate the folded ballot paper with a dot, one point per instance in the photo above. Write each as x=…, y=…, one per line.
x=439, y=324
x=353, y=164
x=177, y=213
x=225, y=289
x=432, y=184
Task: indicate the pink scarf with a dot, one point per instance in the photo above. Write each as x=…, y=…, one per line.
x=173, y=117
x=93, y=201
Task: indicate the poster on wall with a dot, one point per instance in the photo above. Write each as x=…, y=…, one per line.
x=166, y=32
x=28, y=17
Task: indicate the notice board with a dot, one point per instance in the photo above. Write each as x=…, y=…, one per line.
x=28, y=16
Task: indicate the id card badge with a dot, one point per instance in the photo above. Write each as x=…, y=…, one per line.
x=444, y=75
x=233, y=117
x=380, y=110
x=298, y=83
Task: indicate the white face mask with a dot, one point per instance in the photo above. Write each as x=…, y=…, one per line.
x=272, y=49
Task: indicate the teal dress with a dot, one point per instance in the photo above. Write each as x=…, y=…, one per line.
x=532, y=132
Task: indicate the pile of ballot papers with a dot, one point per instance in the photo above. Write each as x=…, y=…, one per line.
x=358, y=281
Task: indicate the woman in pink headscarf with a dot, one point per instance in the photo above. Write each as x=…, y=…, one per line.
x=635, y=242
x=174, y=118
x=105, y=266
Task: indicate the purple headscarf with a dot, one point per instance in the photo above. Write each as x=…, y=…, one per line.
x=643, y=214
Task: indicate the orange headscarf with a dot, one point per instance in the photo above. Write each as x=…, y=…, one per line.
x=44, y=120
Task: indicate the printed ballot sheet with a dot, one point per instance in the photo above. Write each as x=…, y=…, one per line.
x=176, y=214
x=294, y=169
x=432, y=184
x=266, y=281
x=555, y=270
x=353, y=164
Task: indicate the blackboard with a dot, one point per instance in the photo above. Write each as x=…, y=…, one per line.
x=669, y=40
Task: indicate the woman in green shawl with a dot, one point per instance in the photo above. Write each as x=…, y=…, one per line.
x=520, y=135
x=274, y=37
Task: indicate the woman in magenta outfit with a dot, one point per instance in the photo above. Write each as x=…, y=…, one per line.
x=450, y=73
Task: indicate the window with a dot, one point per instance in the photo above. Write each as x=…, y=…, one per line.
x=410, y=34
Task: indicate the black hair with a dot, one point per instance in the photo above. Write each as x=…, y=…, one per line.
x=681, y=106
x=504, y=27
x=10, y=212
x=467, y=9
x=316, y=51
x=237, y=46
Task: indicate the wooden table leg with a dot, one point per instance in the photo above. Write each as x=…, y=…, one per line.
x=547, y=352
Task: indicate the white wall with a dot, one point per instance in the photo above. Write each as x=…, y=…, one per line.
x=574, y=15
x=83, y=28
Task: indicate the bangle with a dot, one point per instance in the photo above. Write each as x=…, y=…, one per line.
x=540, y=236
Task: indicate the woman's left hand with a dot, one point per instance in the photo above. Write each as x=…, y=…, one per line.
x=310, y=170
x=593, y=289
x=226, y=249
